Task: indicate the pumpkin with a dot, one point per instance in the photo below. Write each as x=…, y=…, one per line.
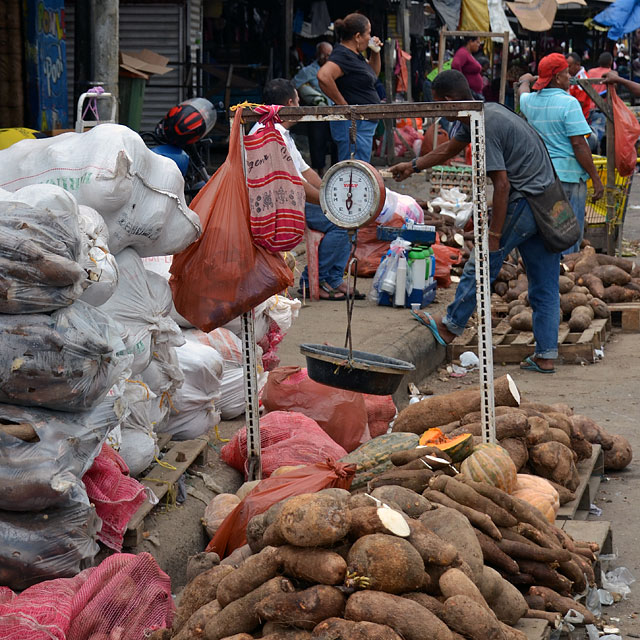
x=492, y=464
x=539, y=493
x=457, y=447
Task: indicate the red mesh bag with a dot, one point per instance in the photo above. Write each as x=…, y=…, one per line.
x=322, y=475
x=287, y=438
x=223, y=274
x=115, y=494
x=125, y=597
x=445, y=257
x=369, y=250
x=340, y=413
x=381, y=410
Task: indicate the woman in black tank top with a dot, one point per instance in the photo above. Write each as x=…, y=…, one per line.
x=349, y=78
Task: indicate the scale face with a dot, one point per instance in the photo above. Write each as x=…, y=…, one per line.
x=352, y=194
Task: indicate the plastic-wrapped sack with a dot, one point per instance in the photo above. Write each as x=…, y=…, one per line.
x=140, y=194
x=381, y=410
x=341, y=414
x=142, y=302
x=126, y=597
x=100, y=265
x=161, y=266
x=56, y=543
x=310, y=479
x=41, y=250
x=115, y=494
x=43, y=454
x=65, y=361
x=283, y=311
x=163, y=375
x=287, y=438
x=193, y=407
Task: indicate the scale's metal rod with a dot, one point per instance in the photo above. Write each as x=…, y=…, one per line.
x=483, y=282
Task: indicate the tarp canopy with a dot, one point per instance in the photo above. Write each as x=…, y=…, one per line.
x=622, y=17
x=535, y=15
x=449, y=12
x=475, y=16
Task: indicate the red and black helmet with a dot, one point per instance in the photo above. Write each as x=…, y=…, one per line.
x=187, y=122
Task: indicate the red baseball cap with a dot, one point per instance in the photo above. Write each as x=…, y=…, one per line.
x=548, y=67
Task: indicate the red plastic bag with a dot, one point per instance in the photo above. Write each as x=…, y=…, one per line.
x=276, y=194
x=287, y=438
x=370, y=250
x=340, y=413
x=445, y=257
x=627, y=132
x=322, y=475
x=223, y=274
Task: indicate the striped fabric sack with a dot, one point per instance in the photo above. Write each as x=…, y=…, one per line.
x=276, y=194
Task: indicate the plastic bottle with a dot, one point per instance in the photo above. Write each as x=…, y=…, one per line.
x=418, y=261
x=432, y=267
x=388, y=283
x=401, y=282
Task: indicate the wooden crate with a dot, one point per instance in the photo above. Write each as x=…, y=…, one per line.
x=511, y=346
x=625, y=315
x=590, y=472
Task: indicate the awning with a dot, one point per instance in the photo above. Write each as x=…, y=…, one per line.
x=537, y=15
x=622, y=17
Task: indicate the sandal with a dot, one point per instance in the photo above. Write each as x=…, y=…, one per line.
x=425, y=318
x=529, y=364
x=334, y=294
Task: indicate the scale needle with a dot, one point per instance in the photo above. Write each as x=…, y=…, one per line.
x=349, y=201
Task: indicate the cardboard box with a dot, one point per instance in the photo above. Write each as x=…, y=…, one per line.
x=143, y=64
x=535, y=15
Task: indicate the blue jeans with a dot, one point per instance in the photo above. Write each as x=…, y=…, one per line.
x=543, y=268
x=334, y=249
x=364, y=138
x=577, y=195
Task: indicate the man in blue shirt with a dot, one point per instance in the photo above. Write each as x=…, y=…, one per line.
x=558, y=118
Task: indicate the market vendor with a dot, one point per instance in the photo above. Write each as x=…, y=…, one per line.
x=518, y=165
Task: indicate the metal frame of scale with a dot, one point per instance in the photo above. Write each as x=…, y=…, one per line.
x=474, y=111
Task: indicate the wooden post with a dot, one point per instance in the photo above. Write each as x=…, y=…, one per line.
x=441, y=47
x=288, y=35
x=389, y=125
x=611, y=183
x=503, y=67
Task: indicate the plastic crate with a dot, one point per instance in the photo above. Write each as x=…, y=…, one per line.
x=596, y=212
x=424, y=297
x=389, y=234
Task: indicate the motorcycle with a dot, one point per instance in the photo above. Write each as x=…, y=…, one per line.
x=181, y=136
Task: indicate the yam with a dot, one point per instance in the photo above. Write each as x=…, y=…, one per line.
x=592, y=283
x=554, y=461
x=510, y=425
x=538, y=431
x=400, y=458
x=442, y=409
x=415, y=480
x=476, y=416
x=408, y=619
x=428, y=602
x=623, y=263
x=284, y=633
x=390, y=563
x=304, y=609
x=433, y=549
x=516, y=310
x=413, y=504
x=522, y=321
x=561, y=407
x=201, y=562
x=555, y=602
x=494, y=556
x=238, y=556
x=545, y=576
x=581, y=318
x=255, y=532
x=517, y=450
x=557, y=435
x=615, y=293
x=587, y=262
x=455, y=529
x=255, y=571
x=565, y=284
x=619, y=456
x=202, y=589
x=510, y=633
x=586, y=567
x=578, y=289
x=580, y=446
x=553, y=618
x=471, y=619
x=611, y=274
x=500, y=287
x=313, y=520
x=368, y=520
x=240, y=616
x=600, y=308
x=573, y=571
x=519, y=550
x=453, y=583
x=502, y=597
x=560, y=421
x=569, y=301
x=564, y=495
x=319, y=566
x=591, y=431
x=339, y=629
x=478, y=519
x=194, y=626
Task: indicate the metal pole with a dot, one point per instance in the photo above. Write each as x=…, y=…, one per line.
x=106, y=25
x=483, y=282
x=611, y=183
x=389, y=125
x=252, y=409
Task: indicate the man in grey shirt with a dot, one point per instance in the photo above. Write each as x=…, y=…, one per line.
x=518, y=165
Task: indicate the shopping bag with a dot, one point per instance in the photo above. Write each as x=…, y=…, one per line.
x=627, y=132
x=223, y=274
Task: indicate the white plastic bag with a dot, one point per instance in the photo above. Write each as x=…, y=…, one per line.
x=283, y=311
x=161, y=266
x=163, y=375
x=453, y=203
x=140, y=194
x=142, y=302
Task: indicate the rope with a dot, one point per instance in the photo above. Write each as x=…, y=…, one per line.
x=140, y=383
x=92, y=103
x=218, y=437
x=164, y=464
x=171, y=495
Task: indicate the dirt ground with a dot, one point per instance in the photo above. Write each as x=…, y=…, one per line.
x=608, y=392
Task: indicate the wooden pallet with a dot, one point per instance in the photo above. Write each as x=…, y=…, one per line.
x=180, y=455
x=534, y=629
x=511, y=346
x=625, y=315
x=590, y=472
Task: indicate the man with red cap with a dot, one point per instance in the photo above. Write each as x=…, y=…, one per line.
x=558, y=118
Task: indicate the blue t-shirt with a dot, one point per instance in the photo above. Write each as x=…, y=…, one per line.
x=556, y=116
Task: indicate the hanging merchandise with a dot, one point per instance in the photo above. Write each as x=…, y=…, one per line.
x=276, y=194
x=449, y=12
x=474, y=16
x=622, y=17
x=627, y=132
x=223, y=274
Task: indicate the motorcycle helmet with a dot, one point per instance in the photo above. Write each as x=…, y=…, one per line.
x=187, y=122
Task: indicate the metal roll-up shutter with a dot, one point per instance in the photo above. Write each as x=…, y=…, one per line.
x=160, y=28
x=69, y=31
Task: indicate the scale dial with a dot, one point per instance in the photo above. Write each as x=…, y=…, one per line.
x=352, y=194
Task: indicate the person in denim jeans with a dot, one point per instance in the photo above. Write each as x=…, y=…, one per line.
x=518, y=165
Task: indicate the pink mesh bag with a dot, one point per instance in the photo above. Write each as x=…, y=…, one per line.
x=381, y=410
x=115, y=494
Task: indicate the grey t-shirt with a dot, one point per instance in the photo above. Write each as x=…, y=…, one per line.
x=513, y=146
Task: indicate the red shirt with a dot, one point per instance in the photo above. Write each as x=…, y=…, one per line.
x=586, y=104
x=598, y=72
x=464, y=62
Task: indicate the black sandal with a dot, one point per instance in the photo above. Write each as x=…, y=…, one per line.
x=334, y=294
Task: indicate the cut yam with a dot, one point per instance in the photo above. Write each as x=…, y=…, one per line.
x=369, y=520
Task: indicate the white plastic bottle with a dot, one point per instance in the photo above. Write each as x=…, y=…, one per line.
x=401, y=282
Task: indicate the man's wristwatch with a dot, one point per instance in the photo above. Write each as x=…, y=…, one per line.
x=414, y=165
